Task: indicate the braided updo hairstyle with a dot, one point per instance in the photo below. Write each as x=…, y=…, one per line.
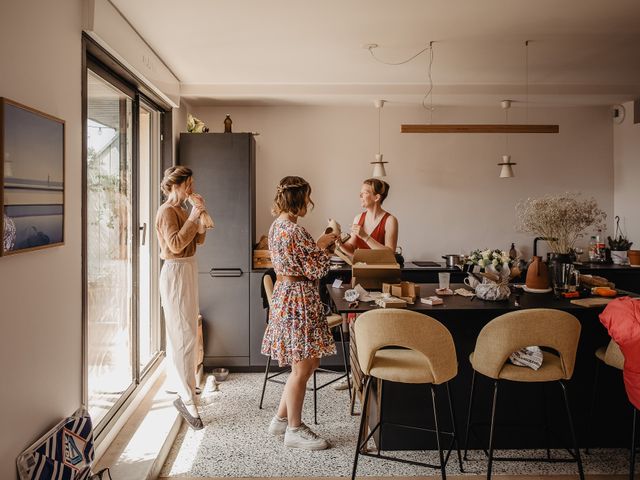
x=379, y=187
x=292, y=196
x=175, y=175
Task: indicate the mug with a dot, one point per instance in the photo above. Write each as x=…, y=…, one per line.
x=471, y=281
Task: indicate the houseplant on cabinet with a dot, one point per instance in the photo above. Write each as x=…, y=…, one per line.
x=619, y=245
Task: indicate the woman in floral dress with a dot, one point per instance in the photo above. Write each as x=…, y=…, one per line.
x=297, y=333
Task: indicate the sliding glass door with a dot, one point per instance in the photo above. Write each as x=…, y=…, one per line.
x=122, y=174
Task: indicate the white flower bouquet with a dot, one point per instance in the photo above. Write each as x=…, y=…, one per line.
x=494, y=266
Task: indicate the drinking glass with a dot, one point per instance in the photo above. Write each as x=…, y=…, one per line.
x=443, y=279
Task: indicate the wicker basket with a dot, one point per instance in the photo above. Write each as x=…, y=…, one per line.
x=262, y=259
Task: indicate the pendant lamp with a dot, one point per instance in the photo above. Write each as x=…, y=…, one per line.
x=378, y=166
x=507, y=166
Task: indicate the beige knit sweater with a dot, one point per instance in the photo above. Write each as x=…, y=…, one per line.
x=177, y=235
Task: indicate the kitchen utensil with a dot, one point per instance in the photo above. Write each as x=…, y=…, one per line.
x=537, y=274
x=220, y=374
x=451, y=259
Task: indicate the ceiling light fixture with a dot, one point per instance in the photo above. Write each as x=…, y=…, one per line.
x=459, y=128
x=507, y=166
x=378, y=166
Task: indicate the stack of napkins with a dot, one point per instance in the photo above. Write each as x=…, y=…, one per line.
x=433, y=300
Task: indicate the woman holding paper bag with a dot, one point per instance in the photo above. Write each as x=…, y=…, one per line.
x=178, y=233
x=374, y=228
x=297, y=333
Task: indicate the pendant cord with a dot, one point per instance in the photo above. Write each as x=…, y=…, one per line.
x=380, y=108
x=526, y=44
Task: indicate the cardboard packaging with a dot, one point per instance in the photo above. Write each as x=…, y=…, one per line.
x=404, y=290
x=391, y=302
x=371, y=268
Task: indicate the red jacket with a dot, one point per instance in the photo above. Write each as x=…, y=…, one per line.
x=622, y=319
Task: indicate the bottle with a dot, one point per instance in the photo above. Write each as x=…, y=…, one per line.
x=602, y=254
x=227, y=124
x=513, y=253
x=593, y=249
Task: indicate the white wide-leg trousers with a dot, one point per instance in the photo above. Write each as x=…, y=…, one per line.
x=179, y=297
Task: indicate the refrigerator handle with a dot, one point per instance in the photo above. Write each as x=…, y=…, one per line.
x=225, y=272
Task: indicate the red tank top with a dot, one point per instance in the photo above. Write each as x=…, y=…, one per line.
x=378, y=233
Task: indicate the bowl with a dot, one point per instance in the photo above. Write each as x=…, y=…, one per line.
x=220, y=374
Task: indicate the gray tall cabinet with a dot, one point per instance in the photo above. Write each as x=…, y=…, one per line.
x=224, y=172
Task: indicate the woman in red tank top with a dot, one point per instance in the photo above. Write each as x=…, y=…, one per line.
x=375, y=227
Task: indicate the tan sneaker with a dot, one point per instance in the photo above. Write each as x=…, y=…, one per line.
x=305, y=438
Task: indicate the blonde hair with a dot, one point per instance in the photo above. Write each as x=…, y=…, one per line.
x=175, y=175
x=379, y=187
x=292, y=196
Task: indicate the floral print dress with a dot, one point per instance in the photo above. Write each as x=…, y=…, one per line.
x=297, y=327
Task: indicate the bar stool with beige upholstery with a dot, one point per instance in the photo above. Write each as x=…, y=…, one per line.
x=612, y=356
x=427, y=356
x=510, y=332
x=334, y=321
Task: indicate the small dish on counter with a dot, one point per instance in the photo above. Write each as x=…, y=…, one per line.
x=536, y=290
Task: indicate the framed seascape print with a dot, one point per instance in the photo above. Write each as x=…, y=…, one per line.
x=31, y=178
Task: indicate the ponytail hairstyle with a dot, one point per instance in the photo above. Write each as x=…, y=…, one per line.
x=379, y=187
x=292, y=196
x=175, y=175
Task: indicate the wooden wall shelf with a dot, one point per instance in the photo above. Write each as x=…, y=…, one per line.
x=478, y=128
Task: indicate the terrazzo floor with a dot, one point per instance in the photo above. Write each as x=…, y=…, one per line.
x=235, y=442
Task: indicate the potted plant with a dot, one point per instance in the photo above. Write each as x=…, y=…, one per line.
x=619, y=245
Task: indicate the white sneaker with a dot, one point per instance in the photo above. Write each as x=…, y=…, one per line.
x=303, y=437
x=278, y=425
x=342, y=384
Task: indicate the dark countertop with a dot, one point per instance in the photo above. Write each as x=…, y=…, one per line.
x=458, y=303
x=410, y=267
x=605, y=267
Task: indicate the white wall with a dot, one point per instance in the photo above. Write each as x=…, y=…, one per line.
x=626, y=155
x=445, y=188
x=40, y=292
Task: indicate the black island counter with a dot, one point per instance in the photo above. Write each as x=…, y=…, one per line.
x=522, y=408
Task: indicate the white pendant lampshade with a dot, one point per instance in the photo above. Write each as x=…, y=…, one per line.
x=378, y=167
x=507, y=167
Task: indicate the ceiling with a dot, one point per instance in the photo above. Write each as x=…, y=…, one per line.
x=256, y=52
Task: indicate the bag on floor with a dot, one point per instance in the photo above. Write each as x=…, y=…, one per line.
x=64, y=453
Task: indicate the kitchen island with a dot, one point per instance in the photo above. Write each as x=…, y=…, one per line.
x=410, y=404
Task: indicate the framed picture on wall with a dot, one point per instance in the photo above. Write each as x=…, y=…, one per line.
x=31, y=179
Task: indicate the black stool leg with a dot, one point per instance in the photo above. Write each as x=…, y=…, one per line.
x=453, y=427
x=492, y=428
x=632, y=463
x=466, y=434
x=592, y=406
x=264, y=384
x=362, y=430
x=545, y=417
x=345, y=357
x=573, y=433
x=315, y=398
x=380, y=385
x=443, y=467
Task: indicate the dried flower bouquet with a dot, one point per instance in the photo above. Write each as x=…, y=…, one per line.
x=561, y=218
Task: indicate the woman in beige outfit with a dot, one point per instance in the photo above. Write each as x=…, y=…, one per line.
x=178, y=234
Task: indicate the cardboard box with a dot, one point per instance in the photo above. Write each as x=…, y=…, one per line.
x=371, y=268
x=403, y=289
